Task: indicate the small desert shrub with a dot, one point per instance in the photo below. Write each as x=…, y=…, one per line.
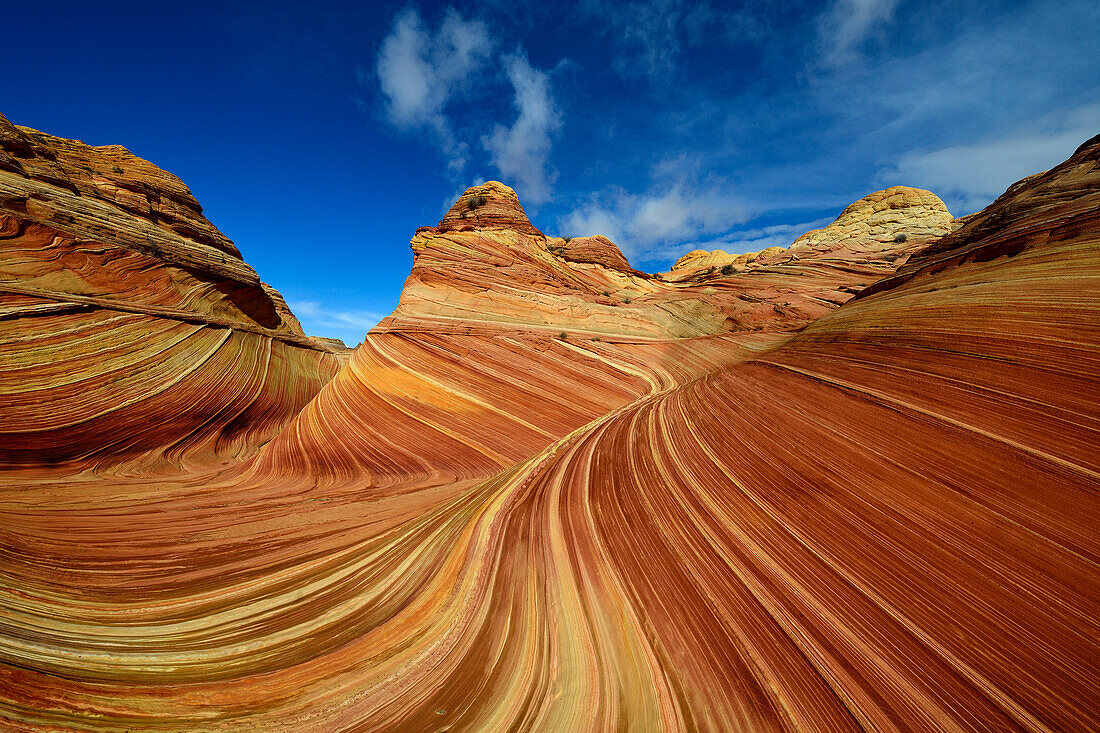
x=116, y=169
x=595, y=338
x=901, y=237
x=607, y=293
x=567, y=240
x=562, y=335
x=476, y=202
x=710, y=270
x=627, y=300
x=727, y=269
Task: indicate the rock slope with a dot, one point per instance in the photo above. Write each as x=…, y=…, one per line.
x=884, y=520
x=122, y=306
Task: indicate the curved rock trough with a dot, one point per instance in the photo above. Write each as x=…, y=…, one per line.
x=550, y=492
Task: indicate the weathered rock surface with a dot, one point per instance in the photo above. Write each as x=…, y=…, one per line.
x=884, y=521
x=597, y=250
x=882, y=217
x=490, y=265
x=875, y=225
x=487, y=207
x=129, y=323
x=697, y=258
x=507, y=274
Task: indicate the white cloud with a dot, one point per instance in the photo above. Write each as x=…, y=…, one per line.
x=420, y=72
x=424, y=73
x=406, y=76
x=593, y=219
x=318, y=319
x=649, y=225
x=847, y=24
x=969, y=177
x=520, y=152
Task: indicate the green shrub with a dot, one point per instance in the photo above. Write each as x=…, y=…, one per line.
x=562, y=335
x=476, y=202
x=116, y=169
x=727, y=269
x=901, y=237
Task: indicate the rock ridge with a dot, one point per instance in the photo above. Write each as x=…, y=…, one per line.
x=879, y=221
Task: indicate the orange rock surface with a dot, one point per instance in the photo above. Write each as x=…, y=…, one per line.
x=489, y=265
x=885, y=519
x=130, y=326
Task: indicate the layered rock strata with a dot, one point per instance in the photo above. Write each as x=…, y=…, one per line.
x=130, y=325
x=873, y=226
x=884, y=521
x=486, y=263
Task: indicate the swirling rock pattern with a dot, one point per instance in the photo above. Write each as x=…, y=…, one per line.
x=485, y=263
x=130, y=326
x=883, y=521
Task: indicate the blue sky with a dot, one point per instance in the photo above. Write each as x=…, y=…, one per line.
x=319, y=136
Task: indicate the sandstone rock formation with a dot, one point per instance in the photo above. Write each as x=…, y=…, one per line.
x=884, y=520
x=488, y=207
x=122, y=306
x=697, y=258
x=504, y=273
x=882, y=217
x=597, y=250
x=876, y=223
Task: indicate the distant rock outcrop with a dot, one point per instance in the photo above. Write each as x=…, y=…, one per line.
x=486, y=263
x=882, y=217
x=877, y=223
x=597, y=250
x=1054, y=204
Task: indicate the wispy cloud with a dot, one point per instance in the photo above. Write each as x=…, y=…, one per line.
x=319, y=319
x=520, y=152
x=968, y=177
x=427, y=79
x=420, y=72
x=847, y=25
x=645, y=225
x=787, y=113
x=651, y=37
x=647, y=34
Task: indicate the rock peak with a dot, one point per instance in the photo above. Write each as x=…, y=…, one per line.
x=490, y=205
x=886, y=214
